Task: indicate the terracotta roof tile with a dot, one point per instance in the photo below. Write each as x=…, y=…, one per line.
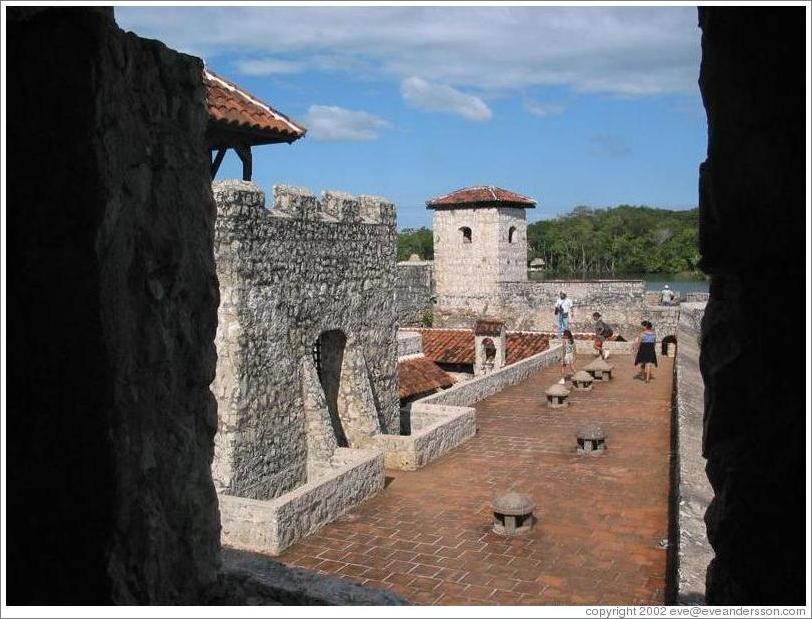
x=448, y=345
x=484, y=196
x=523, y=345
x=420, y=375
x=232, y=107
x=457, y=345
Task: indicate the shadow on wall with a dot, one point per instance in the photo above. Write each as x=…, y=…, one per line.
x=328, y=354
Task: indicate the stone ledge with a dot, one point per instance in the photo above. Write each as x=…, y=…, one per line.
x=436, y=430
x=271, y=526
x=694, y=492
x=247, y=578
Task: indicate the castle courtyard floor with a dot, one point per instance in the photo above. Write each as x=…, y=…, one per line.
x=601, y=519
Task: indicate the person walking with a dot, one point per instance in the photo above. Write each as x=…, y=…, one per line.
x=602, y=333
x=666, y=296
x=646, y=352
x=563, y=312
x=568, y=360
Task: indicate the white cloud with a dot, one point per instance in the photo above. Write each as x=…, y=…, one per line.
x=544, y=108
x=608, y=145
x=330, y=123
x=268, y=66
x=623, y=50
x=419, y=93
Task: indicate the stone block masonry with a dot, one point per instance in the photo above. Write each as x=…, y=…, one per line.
x=306, y=336
x=414, y=287
x=271, y=526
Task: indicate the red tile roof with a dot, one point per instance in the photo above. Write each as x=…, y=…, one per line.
x=488, y=327
x=484, y=196
x=420, y=375
x=523, y=345
x=449, y=345
x=457, y=345
x=234, y=110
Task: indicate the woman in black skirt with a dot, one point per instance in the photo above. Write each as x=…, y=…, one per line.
x=646, y=352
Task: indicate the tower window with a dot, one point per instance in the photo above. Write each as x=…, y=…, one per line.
x=466, y=234
x=512, y=234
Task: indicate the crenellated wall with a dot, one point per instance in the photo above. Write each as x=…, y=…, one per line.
x=306, y=268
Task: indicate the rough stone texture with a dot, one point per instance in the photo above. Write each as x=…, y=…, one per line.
x=255, y=580
x=693, y=489
x=113, y=304
x=751, y=208
x=476, y=268
x=474, y=390
x=690, y=317
x=433, y=431
x=302, y=273
x=409, y=343
x=414, y=287
x=271, y=526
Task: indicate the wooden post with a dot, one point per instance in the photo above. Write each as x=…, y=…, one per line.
x=244, y=153
x=216, y=161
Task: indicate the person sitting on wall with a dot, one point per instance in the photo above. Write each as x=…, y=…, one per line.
x=563, y=312
x=666, y=296
x=602, y=333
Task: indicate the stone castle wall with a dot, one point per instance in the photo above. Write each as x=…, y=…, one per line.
x=113, y=299
x=528, y=306
x=476, y=268
x=288, y=275
x=414, y=287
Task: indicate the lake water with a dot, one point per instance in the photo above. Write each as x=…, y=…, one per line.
x=654, y=281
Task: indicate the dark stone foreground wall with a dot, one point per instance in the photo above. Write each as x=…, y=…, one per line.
x=752, y=243
x=112, y=300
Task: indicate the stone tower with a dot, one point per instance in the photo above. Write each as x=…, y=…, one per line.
x=480, y=241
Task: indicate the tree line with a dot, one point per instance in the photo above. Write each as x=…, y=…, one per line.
x=611, y=241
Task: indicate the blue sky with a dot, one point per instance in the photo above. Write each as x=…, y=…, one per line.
x=593, y=106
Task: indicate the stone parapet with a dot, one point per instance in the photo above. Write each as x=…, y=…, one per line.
x=271, y=526
x=477, y=389
x=435, y=430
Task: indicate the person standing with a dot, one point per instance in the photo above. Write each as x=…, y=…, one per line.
x=568, y=358
x=563, y=312
x=666, y=296
x=646, y=352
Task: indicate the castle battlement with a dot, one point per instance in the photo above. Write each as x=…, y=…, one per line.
x=294, y=202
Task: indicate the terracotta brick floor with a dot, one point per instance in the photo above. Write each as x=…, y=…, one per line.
x=427, y=535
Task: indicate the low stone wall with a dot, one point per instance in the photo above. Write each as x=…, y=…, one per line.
x=409, y=343
x=478, y=389
x=435, y=430
x=271, y=526
x=694, y=492
x=585, y=347
x=414, y=287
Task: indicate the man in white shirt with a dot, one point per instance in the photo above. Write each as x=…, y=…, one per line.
x=666, y=296
x=563, y=312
